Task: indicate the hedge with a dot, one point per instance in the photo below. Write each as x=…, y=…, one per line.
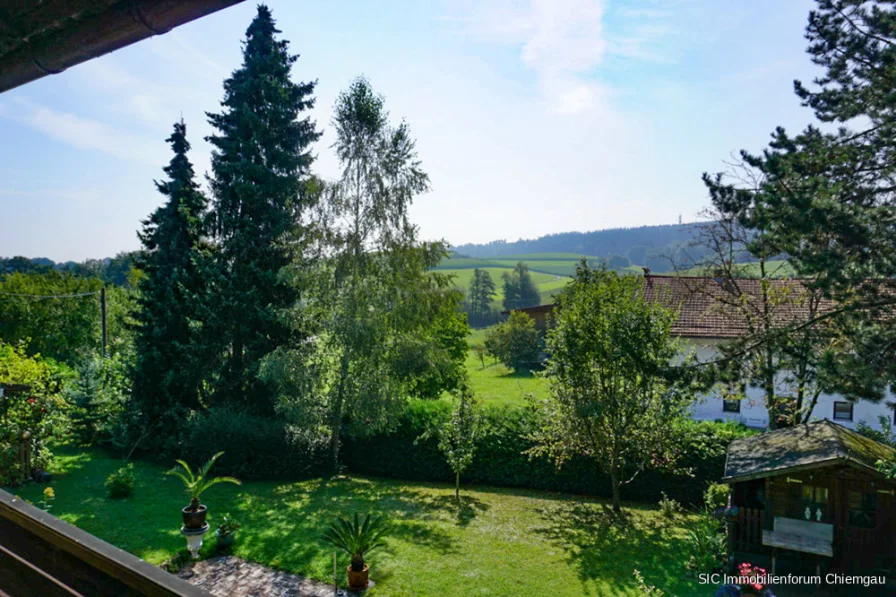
x=500, y=460
x=255, y=447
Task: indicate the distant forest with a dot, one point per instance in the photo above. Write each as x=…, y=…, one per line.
x=661, y=248
x=111, y=270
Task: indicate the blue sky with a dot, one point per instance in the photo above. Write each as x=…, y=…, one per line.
x=531, y=117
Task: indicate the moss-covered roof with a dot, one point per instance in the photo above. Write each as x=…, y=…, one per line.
x=811, y=445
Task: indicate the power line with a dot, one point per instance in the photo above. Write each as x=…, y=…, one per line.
x=50, y=296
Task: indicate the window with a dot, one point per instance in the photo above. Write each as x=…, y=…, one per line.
x=731, y=406
x=862, y=509
x=814, y=503
x=843, y=411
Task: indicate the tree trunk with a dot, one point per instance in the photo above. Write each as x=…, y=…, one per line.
x=457, y=486
x=334, y=449
x=614, y=481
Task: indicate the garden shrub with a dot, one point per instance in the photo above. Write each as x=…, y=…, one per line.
x=256, y=447
x=716, y=496
x=500, y=460
x=121, y=483
x=97, y=398
x=669, y=509
x=31, y=412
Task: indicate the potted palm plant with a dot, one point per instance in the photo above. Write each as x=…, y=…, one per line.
x=196, y=484
x=357, y=538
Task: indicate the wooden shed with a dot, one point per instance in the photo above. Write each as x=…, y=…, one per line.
x=811, y=496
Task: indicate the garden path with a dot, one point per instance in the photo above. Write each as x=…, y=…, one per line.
x=230, y=576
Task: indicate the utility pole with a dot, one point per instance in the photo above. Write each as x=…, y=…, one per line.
x=103, y=316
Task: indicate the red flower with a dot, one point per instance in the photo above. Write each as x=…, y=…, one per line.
x=31, y=400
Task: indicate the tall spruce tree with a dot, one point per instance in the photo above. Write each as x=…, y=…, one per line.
x=260, y=166
x=175, y=262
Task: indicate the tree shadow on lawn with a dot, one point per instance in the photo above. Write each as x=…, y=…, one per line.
x=286, y=523
x=609, y=546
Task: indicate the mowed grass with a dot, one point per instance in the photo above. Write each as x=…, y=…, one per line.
x=496, y=542
x=495, y=384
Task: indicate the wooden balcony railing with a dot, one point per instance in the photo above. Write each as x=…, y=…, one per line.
x=42, y=555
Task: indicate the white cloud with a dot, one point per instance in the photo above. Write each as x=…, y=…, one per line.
x=562, y=41
x=89, y=134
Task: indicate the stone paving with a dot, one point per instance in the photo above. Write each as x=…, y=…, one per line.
x=230, y=576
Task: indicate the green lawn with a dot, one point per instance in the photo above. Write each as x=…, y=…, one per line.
x=495, y=383
x=498, y=542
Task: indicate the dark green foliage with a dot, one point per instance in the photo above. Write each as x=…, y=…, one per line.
x=171, y=362
x=514, y=342
x=260, y=168
x=258, y=447
x=432, y=361
x=121, y=483
x=519, y=289
x=480, y=295
x=500, y=460
x=617, y=262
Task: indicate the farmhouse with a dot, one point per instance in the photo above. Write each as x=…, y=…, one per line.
x=811, y=496
x=707, y=318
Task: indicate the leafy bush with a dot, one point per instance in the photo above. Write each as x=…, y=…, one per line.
x=715, y=496
x=708, y=544
x=500, y=460
x=228, y=525
x=121, y=483
x=31, y=412
x=514, y=342
x=257, y=447
x=669, y=508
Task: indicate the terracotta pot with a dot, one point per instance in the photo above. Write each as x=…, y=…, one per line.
x=358, y=580
x=194, y=519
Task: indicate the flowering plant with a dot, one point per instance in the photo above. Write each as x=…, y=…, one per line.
x=750, y=579
x=31, y=411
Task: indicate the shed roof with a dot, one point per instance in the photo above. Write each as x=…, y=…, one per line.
x=810, y=445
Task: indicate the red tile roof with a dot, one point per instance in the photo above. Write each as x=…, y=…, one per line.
x=707, y=309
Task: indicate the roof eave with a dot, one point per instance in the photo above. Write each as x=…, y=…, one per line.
x=123, y=24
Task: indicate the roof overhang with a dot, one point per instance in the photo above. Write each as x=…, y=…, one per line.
x=791, y=470
x=45, y=38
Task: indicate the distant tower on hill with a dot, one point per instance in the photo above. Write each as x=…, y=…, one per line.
x=679, y=219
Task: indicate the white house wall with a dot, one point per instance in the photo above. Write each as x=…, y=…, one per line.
x=753, y=412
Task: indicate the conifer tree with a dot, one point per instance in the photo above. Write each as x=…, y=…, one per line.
x=830, y=197
x=519, y=289
x=175, y=263
x=260, y=168
x=482, y=292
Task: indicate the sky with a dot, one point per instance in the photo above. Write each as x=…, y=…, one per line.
x=531, y=117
